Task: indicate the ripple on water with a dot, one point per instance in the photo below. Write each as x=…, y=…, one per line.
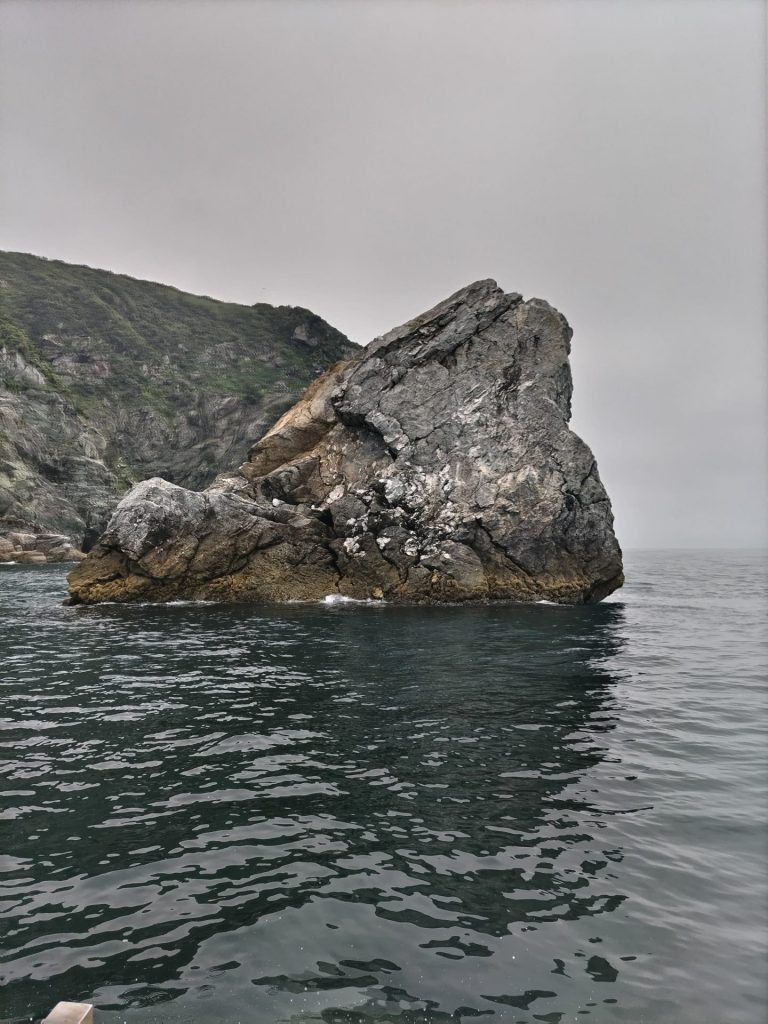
x=326, y=811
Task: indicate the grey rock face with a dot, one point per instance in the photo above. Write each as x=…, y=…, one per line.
x=16, y=545
x=437, y=465
x=105, y=381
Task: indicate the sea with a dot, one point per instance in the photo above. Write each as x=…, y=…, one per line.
x=349, y=813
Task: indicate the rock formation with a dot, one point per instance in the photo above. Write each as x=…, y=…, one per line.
x=434, y=466
x=105, y=380
x=19, y=546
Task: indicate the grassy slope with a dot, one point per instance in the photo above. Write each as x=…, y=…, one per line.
x=122, y=379
x=159, y=342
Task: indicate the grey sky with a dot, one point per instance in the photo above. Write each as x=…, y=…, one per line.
x=365, y=159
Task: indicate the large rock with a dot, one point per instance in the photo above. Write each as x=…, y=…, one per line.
x=31, y=557
x=435, y=466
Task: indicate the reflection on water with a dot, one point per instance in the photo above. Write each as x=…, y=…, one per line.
x=304, y=813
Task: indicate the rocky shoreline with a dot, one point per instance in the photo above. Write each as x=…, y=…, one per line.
x=106, y=381
x=23, y=546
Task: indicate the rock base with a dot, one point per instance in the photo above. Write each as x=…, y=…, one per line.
x=29, y=548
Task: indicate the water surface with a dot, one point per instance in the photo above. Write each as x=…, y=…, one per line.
x=361, y=813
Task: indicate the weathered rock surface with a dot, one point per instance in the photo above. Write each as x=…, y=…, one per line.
x=435, y=466
x=19, y=544
x=106, y=380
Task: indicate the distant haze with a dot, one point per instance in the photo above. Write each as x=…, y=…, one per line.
x=365, y=159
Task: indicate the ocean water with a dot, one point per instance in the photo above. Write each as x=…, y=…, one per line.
x=348, y=813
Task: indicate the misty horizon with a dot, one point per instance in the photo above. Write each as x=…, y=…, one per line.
x=366, y=166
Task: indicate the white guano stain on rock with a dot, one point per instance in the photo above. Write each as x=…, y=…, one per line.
x=435, y=466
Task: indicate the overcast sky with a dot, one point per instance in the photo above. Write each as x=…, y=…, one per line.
x=366, y=159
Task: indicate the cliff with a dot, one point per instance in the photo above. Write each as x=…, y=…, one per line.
x=434, y=466
x=106, y=380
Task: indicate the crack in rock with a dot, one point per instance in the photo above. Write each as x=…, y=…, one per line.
x=436, y=465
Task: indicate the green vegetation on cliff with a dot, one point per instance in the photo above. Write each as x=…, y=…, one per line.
x=105, y=380
x=156, y=340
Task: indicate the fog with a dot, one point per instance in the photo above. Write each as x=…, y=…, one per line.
x=367, y=159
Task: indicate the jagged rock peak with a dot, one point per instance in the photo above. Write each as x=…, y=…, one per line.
x=434, y=466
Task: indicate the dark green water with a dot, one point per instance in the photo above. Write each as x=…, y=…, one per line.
x=360, y=813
